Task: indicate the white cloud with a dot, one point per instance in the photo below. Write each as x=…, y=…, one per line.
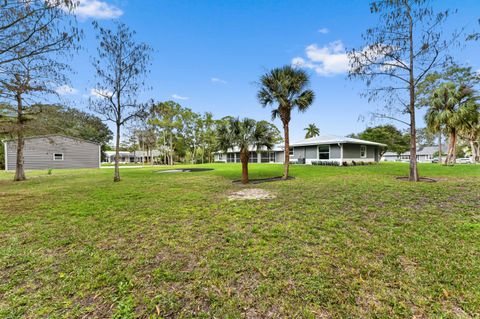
x=97, y=9
x=325, y=61
x=66, y=90
x=100, y=93
x=217, y=80
x=323, y=31
x=179, y=97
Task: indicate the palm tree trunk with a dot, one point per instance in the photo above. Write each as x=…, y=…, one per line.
x=449, y=158
x=454, y=147
x=440, y=148
x=244, y=159
x=474, y=151
x=287, y=151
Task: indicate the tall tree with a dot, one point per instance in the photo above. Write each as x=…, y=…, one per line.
x=121, y=67
x=450, y=109
x=23, y=82
x=470, y=129
x=166, y=118
x=395, y=140
x=406, y=46
x=287, y=89
x=311, y=131
x=246, y=135
x=463, y=76
x=31, y=28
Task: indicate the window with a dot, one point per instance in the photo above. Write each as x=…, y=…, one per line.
x=220, y=157
x=363, y=151
x=324, y=152
x=58, y=157
x=253, y=157
x=290, y=151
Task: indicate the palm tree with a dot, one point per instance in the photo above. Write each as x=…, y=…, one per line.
x=312, y=131
x=286, y=87
x=449, y=109
x=245, y=134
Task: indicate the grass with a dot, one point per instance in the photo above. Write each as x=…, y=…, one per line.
x=336, y=242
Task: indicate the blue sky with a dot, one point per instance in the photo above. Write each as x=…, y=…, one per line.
x=209, y=54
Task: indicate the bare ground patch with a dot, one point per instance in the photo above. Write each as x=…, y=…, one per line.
x=251, y=194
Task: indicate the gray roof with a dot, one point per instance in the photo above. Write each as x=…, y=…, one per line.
x=421, y=150
x=332, y=139
x=52, y=135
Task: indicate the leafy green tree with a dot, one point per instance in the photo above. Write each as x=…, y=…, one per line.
x=426, y=137
x=395, y=140
x=311, y=131
x=286, y=89
x=166, y=118
x=245, y=134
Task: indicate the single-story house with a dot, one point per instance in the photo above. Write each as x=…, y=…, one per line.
x=425, y=154
x=132, y=157
x=310, y=150
x=53, y=151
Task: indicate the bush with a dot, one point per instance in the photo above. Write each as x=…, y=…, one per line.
x=326, y=163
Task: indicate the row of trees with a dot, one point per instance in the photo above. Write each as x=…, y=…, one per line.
x=398, y=63
x=180, y=134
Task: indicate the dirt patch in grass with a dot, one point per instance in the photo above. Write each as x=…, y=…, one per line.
x=264, y=180
x=185, y=170
x=421, y=179
x=251, y=194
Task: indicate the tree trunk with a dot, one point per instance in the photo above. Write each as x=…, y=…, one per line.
x=244, y=159
x=116, y=177
x=440, y=148
x=413, y=176
x=287, y=151
x=19, y=168
x=451, y=140
x=474, y=151
x=454, y=147
x=171, y=150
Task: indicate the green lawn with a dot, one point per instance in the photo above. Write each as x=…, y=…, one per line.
x=337, y=242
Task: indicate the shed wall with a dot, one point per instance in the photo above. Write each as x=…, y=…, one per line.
x=39, y=153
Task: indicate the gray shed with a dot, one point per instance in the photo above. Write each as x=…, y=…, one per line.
x=53, y=151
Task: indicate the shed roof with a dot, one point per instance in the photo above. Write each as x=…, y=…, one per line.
x=52, y=135
x=421, y=150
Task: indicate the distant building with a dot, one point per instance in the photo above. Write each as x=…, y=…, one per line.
x=425, y=154
x=326, y=148
x=132, y=157
x=53, y=151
